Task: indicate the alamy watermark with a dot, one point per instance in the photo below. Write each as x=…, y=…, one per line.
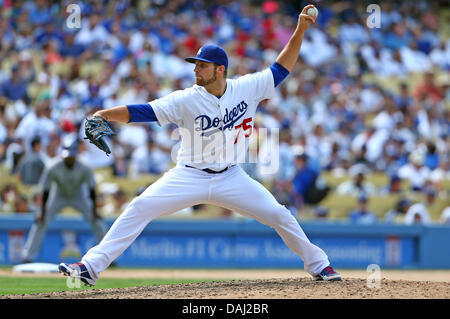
x=374, y=278
x=241, y=144
x=73, y=21
x=374, y=18
x=73, y=283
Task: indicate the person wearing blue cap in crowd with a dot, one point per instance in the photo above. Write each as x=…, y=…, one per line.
x=362, y=215
x=419, y=213
x=216, y=119
x=397, y=214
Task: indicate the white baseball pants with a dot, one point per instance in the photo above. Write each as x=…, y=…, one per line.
x=183, y=187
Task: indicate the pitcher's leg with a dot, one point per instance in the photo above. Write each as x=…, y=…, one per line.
x=248, y=197
x=171, y=193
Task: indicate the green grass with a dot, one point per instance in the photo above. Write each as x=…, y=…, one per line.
x=28, y=285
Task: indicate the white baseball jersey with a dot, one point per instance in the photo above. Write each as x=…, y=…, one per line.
x=215, y=130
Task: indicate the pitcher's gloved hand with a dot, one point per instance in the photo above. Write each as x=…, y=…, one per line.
x=96, y=127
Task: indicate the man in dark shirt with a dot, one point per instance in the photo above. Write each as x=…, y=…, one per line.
x=303, y=181
x=14, y=88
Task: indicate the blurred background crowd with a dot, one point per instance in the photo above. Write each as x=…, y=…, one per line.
x=361, y=102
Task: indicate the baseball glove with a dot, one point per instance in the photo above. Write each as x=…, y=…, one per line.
x=96, y=128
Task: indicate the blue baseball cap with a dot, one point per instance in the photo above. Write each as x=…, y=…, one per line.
x=69, y=148
x=212, y=54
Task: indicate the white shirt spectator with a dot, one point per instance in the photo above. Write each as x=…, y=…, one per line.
x=440, y=56
x=10, y=150
x=415, y=60
x=407, y=136
x=317, y=51
x=385, y=121
x=137, y=40
x=142, y=159
x=416, y=176
x=134, y=135
x=374, y=144
x=384, y=64
x=438, y=175
x=445, y=217
x=370, y=99
x=429, y=129
x=88, y=35
x=417, y=214
x=95, y=157
x=3, y=132
x=389, y=66
x=31, y=126
x=348, y=188
x=354, y=32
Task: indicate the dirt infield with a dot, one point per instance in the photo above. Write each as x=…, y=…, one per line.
x=265, y=284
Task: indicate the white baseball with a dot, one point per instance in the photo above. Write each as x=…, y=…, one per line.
x=312, y=12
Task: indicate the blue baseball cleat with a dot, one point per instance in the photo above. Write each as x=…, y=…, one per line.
x=327, y=274
x=77, y=270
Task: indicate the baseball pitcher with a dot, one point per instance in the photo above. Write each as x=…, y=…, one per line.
x=214, y=117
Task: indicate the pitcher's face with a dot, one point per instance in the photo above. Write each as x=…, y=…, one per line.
x=205, y=73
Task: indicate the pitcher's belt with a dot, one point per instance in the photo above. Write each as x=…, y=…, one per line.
x=210, y=171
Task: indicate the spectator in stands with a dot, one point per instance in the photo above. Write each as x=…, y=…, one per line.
x=414, y=171
x=321, y=213
x=70, y=48
x=306, y=188
x=8, y=196
x=14, y=153
x=358, y=184
x=440, y=55
x=394, y=186
x=149, y=158
x=403, y=99
x=14, y=88
x=36, y=202
x=419, y=212
x=369, y=144
x=397, y=214
x=3, y=130
x=445, y=216
x=21, y=205
x=32, y=164
x=37, y=124
x=361, y=215
x=303, y=180
x=120, y=200
x=387, y=118
x=428, y=88
x=431, y=156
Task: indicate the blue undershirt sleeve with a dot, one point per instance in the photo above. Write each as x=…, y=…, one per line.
x=141, y=113
x=279, y=73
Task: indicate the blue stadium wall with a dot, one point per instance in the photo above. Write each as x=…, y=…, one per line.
x=237, y=244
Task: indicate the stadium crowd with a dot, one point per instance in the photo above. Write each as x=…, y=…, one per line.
x=330, y=115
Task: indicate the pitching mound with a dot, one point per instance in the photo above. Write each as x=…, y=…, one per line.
x=300, y=288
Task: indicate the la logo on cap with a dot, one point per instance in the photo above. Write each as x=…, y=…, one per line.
x=199, y=51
